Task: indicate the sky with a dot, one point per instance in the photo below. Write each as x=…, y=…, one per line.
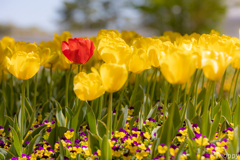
x=31, y=13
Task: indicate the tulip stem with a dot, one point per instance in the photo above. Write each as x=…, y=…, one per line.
x=229, y=94
x=185, y=94
x=203, y=77
x=184, y=109
x=35, y=91
x=109, y=118
x=100, y=107
x=212, y=104
x=153, y=87
x=28, y=88
x=196, y=88
x=205, y=118
x=22, y=114
x=118, y=105
x=50, y=84
x=171, y=115
x=67, y=84
x=165, y=101
x=146, y=108
x=3, y=85
x=12, y=94
x=135, y=89
x=220, y=95
x=235, y=88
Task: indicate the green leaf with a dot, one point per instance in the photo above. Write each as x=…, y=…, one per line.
x=62, y=151
x=137, y=107
x=9, y=119
x=190, y=129
x=226, y=110
x=16, y=143
x=201, y=95
x=69, y=115
x=191, y=111
x=31, y=144
x=191, y=150
x=35, y=132
x=152, y=112
x=106, y=151
x=102, y=128
x=236, y=118
x=91, y=120
x=2, y=113
x=93, y=142
x=176, y=118
x=59, y=115
x=122, y=119
x=180, y=151
x=28, y=107
x=215, y=125
x=216, y=109
x=55, y=134
x=79, y=115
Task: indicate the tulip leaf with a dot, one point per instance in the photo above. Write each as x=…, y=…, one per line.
x=191, y=150
x=91, y=120
x=216, y=109
x=102, y=128
x=28, y=107
x=62, y=150
x=16, y=142
x=2, y=113
x=191, y=111
x=201, y=95
x=236, y=118
x=35, y=132
x=79, y=115
x=152, y=112
x=59, y=114
x=215, y=125
x=123, y=118
x=106, y=151
x=55, y=134
x=190, y=129
x=197, y=120
x=133, y=120
x=164, y=132
x=69, y=116
x=180, y=151
x=93, y=142
x=9, y=119
x=176, y=117
x=137, y=105
x=31, y=144
x=226, y=110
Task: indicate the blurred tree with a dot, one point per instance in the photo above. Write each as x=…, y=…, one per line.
x=184, y=16
x=84, y=14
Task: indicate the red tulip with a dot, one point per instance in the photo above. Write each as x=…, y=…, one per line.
x=78, y=50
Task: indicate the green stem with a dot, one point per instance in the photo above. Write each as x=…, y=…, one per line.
x=185, y=94
x=165, y=101
x=212, y=104
x=22, y=114
x=12, y=94
x=175, y=95
x=50, y=85
x=35, y=91
x=147, y=108
x=118, y=105
x=184, y=109
x=220, y=95
x=235, y=88
x=100, y=107
x=135, y=89
x=203, y=79
x=196, y=88
x=153, y=87
x=3, y=85
x=205, y=117
x=28, y=88
x=67, y=84
x=229, y=94
x=109, y=117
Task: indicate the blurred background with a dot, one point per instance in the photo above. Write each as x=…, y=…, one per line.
x=34, y=21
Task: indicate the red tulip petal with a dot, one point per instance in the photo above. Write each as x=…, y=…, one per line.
x=65, y=49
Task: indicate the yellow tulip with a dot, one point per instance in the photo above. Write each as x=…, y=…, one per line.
x=214, y=64
x=114, y=50
x=2, y=56
x=178, y=66
x=129, y=36
x=107, y=33
x=63, y=63
x=236, y=57
x=88, y=86
x=172, y=35
x=155, y=53
x=137, y=62
x=7, y=42
x=113, y=76
x=55, y=47
x=23, y=65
